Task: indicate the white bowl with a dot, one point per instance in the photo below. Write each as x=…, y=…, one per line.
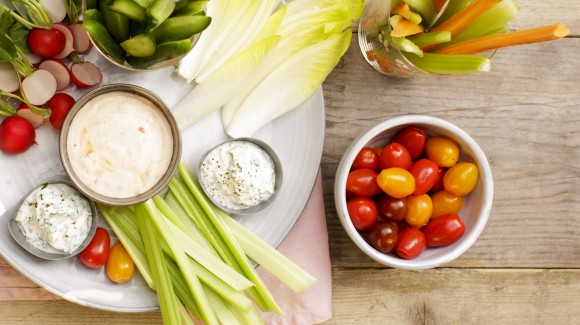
x=476, y=207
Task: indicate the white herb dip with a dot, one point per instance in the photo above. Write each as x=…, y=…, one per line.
x=55, y=216
x=238, y=175
x=119, y=144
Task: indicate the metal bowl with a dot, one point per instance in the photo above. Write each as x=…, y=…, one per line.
x=279, y=176
x=51, y=254
x=161, y=183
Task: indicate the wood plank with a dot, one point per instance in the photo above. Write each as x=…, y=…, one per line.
x=523, y=115
x=455, y=296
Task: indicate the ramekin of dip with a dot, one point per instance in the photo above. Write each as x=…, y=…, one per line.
x=120, y=144
x=54, y=221
x=241, y=176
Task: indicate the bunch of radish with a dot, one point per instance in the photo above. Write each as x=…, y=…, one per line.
x=39, y=78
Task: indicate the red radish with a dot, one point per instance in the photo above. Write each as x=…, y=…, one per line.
x=8, y=77
x=59, y=105
x=33, y=58
x=46, y=43
x=56, y=9
x=68, y=48
x=39, y=87
x=58, y=70
x=81, y=40
x=25, y=112
x=85, y=74
x=16, y=135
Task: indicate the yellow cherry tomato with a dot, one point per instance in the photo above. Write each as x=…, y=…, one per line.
x=120, y=267
x=396, y=182
x=461, y=178
x=419, y=210
x=443, y=151
x=445, y=203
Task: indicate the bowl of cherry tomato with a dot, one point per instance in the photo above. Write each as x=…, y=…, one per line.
x=414, y=192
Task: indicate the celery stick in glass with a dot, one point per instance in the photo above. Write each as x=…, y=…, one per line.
x=406, y=45
x=430, y=38
x=447, y=64
x=424, y=8
x=453, y=7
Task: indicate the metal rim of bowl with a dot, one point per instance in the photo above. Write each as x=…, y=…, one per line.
x=279, y=176
x=469, y=238
x=16, y=233
x=163, y=181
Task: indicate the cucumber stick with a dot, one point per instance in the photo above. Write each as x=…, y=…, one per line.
x=159, y=11
x=141, y=45
x=128, y=8
x=178, y=28
x=117, y=24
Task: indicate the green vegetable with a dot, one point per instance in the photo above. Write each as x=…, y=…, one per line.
x=453, y=7
x=178, y=28
x=128, y=8
x=117, y=25
x=100, y=35
x=188, y=8
x=159, y=11
x=94, y=14
x=426, y=9
x=162, y=53
x=142, y=45
x=430, y=38
x=408, y=46
x=450, y=64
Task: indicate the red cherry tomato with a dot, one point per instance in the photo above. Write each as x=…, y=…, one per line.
x=366, y=158
x=363, y=182
x=120, y=267
x=419, y=210
x=439, y=184
x=413, y=138
x=426, y=174
x=392, y=209
x=445, y=203
x=362, y=211
x=461, y=178
x=396, y=182
x=95, y=255
x=394, y=155
x=442, y=151
x=410, y=244
x=444, y=230
x=382, y=236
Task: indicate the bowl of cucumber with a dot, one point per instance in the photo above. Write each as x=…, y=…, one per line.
x=144, y=34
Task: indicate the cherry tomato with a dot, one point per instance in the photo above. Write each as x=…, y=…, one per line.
x=366, y=158
x=363, y=182
x=120, y=267
x=439, y=184
x=413, y=138
x=444, y=230
x=461, y=178
x=362, y=211
x=410, y=244
x=95, y=255
x=382, y=236
x=391, y=208
x=419, y=210
x=396, y=182
x=394, y=155
x=445, y=203
x=443, y=151
x=426, y=174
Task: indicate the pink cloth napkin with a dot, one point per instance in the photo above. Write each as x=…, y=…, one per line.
x=307, y=246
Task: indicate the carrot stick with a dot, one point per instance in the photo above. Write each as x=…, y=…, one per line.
x=496, y=41
x=463, y=18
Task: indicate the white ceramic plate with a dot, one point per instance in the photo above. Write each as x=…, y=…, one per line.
x=297, y=137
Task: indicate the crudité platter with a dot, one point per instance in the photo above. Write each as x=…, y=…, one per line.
x=297, y=137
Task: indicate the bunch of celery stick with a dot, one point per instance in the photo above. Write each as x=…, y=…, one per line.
x=198, y=259
x=444, y=37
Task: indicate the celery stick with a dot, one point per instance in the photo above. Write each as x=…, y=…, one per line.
x=155, y=217
x=268, y=257
x=223, y=313
x=430, y=38
x=446, y=64
x=415, y=18
x=493, y=19
x=185, y=318
x=165, y=294
x=217, y=232
x=197, y=252
x=407, y=46
x=424, y=8
x=453, y=7
x=394, y=20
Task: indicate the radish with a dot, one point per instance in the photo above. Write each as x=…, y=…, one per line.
x=8, y=77
x=59, y=105
x=16, y=135
x=33, y=58
x=58, y=70
x=56, y=9
x=39, y=87
x=68, y=48
x=85, y=74
x=46, y=43
x=25, y=112
x=81, y=40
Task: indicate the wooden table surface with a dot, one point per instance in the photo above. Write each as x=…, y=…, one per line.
x=524, y=269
